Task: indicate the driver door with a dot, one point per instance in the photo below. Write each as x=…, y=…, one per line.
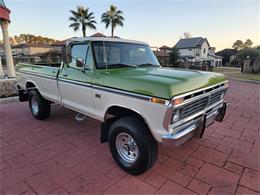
x=75, y=80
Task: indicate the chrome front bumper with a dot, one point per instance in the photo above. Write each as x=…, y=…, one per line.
x=194, y=127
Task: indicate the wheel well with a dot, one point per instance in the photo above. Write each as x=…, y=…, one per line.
x=113, y=114
x=118, y=112
x=30, y=85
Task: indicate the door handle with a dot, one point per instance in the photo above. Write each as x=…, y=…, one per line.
x=65, y=74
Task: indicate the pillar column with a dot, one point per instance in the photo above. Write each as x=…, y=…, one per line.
x=7, y=49
x=1, y=68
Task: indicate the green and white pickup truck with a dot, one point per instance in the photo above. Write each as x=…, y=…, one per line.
x=120, y=83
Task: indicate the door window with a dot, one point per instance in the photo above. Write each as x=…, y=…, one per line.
x=78, y=55
x=89, y=61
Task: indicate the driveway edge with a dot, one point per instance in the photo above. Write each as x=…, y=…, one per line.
x=9, y=100
x=249, y=81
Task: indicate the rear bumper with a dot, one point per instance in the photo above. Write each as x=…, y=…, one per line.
x=194, y=127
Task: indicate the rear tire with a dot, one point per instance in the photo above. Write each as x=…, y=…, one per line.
x=40, y=108
x=132, y=145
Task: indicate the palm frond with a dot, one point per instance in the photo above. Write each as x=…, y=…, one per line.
x=91, y=26
x=82, y=17
x=75, y=26
x=73, y=19
x=112, y=17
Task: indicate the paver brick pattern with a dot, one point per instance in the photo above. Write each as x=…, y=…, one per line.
x=63, y=156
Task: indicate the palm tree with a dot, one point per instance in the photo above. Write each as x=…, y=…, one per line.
x=112, y=17
x=82, y=17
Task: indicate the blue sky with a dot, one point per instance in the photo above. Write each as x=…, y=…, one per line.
x=157, y=22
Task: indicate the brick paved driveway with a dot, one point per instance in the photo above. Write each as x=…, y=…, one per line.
x=62, y=156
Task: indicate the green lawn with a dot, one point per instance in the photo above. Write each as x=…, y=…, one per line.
x=236, y=73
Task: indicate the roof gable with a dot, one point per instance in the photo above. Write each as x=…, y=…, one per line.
x=190, y=42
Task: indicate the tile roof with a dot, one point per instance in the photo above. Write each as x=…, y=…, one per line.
x=98, y=34
x=24, y=45
x=164, y=47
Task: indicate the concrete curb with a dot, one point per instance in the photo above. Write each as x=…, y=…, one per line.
x=9, y=100
x=249, y=81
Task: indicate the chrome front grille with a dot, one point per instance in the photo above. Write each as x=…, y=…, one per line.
x=193, y=107
x=215, y=97
x=200, y=104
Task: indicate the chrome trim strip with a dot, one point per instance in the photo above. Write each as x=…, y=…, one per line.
x=181, y=133
x=107, y=89
x=75, y=82
x=168, y=114
x=35, y=74
x=201, y=96
x=175, y=125
x=40, y=66
x=198, y=90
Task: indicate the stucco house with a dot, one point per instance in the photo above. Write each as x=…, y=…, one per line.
x=30, y=53
x=198, y=49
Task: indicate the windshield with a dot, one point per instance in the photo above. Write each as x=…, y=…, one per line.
x=117, y=54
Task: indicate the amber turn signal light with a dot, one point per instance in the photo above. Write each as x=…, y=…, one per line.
x=157, y=100
x=178, y=101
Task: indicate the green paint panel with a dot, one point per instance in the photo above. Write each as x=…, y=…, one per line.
x=158, y=82
x=44, y=70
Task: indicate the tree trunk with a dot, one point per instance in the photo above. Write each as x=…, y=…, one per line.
x=83, y=30
x=112, y=30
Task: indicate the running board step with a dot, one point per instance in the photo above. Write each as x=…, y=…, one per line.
x=80, y=117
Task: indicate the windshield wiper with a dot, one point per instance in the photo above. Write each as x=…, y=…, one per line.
x=121, y=65
x=147, y=64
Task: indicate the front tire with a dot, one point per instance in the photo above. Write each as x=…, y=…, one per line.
x=40, y=108
x=132, y=145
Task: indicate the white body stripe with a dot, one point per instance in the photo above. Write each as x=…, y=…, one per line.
x=47, y=86
x=82, y=98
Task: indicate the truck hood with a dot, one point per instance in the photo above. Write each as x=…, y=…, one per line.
x=157, y=82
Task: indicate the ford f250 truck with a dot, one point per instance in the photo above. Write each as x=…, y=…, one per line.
x=120, y=83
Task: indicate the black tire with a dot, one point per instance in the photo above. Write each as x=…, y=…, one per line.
x=146, y=144
x=44, y=107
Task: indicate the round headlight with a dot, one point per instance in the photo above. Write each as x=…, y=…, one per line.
x=176, y=116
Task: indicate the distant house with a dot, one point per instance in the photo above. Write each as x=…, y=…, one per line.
x=198, y=50
x=163, y=56
x=228, y=55
x=165, y=48
x=30, y=49
x=27, y=52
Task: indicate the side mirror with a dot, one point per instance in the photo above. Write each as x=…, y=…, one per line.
x=80, y=62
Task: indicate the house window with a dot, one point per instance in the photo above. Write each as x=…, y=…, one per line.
x=204, y=51
x=197, y=52
x=190, y=49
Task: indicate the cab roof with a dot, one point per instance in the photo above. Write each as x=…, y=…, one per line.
x=110, y=39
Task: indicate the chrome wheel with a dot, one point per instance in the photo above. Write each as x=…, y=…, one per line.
x=34, y=106
x=126, y=147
